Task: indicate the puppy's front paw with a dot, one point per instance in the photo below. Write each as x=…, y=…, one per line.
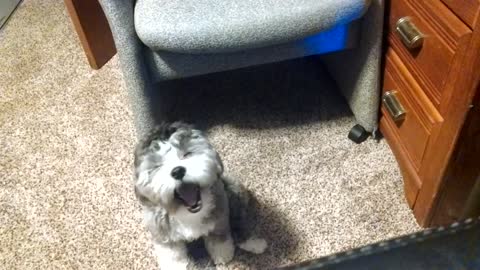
x=171, y=256
x=221, y=252
x=224, y=254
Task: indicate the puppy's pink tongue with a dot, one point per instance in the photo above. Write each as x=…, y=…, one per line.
x=189, y=193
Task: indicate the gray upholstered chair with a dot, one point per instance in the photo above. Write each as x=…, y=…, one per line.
x=160, y=40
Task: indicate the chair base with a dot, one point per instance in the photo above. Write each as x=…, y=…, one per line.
x=358, y=134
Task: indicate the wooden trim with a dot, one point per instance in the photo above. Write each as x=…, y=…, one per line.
x=410, y=177
x=464, y=76
x=93, y=31
x=467, y=10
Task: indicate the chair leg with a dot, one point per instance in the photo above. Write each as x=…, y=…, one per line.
x=358, y=134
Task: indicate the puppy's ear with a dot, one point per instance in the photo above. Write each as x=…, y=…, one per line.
x=179, y=125
x=170, y=130
x=142, y=180
x=161, y=132
x=155, y=145
x=142, y=198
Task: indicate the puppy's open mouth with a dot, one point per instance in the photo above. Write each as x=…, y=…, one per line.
x=189, y=195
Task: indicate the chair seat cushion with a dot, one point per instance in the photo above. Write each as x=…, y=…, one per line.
x=216, y=26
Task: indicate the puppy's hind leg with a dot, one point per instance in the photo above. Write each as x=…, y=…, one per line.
x=171, y=256
x=242, y=220
x=220, y=248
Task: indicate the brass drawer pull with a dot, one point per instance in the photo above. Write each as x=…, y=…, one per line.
x=393, y=106
x=409, y=33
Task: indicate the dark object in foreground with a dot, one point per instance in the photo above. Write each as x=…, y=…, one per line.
x=454, y=247
x=358, y=134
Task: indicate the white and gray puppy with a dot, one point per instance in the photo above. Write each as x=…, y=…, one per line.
x=180, y=184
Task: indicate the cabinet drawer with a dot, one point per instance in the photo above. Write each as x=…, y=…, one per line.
x=467, y=10
x=442, y=33
x=420, y=117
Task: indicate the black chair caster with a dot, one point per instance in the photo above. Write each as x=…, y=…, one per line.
x=358, y=134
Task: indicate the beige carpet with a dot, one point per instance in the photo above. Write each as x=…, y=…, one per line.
x=66, y=139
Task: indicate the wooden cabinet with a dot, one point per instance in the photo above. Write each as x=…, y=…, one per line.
x=432, y=71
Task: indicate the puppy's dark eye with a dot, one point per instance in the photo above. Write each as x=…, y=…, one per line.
x=187, y=154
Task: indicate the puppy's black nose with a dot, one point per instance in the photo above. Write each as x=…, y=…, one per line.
x=178, y=172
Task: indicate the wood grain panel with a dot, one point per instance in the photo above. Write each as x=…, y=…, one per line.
x=467, y=10
x=411, y=180
x=421, y=115
x=430, y=63
x=409, y=138
x=446, y=24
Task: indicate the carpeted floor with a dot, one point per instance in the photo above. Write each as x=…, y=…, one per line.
x=66, y=139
